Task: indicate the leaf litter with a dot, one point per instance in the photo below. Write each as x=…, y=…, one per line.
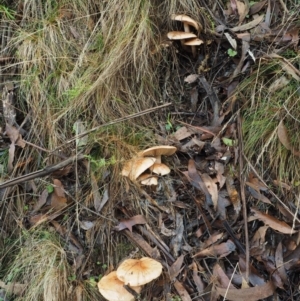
x=180, y=221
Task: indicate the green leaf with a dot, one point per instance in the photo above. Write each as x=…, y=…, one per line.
x=228, y=142
x=49, y=188
x=231, y=52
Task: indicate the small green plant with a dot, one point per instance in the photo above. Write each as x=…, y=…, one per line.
x=169, y=125
x=231, y=52
x=176, y=298
x=72, y=278
x=7, y=12
x=50, y=188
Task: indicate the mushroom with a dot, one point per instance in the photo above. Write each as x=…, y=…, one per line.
x=160, y=169
x=187, y=22
x=136, y=272
x=136, y=166
x=180, y=35
x=148, y=179
x=158, y=151
x=112, y=288
x=193, y=42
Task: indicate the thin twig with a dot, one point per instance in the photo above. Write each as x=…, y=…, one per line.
x=126, y=118
x=42, y=172
x=242, y=189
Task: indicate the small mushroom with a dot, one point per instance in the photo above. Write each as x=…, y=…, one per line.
x=180, y=35
x=186, y=20
x=160, y=169
x=193, y=42
x=148, y=179
x=136, y=166
x=158, y=151
x=136, y=272
x=112, y=288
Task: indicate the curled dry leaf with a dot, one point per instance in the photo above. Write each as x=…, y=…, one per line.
x=221, y=250
x=128, y=223
x=273, y=222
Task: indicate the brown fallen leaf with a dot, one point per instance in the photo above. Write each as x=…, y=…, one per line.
x=256, y=183
x=249, y=25
x=257, y=195
x=221, y=250
x=223, y=280
x=184, y=295
x=195, y=179
x=283, y=135
x=233, y=194
x=197, y=279
x=58, y=198
x=284, y=138
x=212, y=239
x=250, y=294
x=182, y=133
x=211, y=187
x=175, y=268
x=14, y=135
x=128, y=223
x=280, y=263
x=273, y=222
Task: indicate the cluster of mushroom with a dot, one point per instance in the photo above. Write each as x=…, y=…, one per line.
x=136, y=168
x=132, y=272
x=186, y=37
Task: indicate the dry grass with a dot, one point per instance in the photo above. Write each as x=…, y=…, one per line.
x=91, y=61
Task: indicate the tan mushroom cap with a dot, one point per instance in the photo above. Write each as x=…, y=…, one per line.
x=160, y=169
x=136, y=166
x=148, y=179
x=160, y=150
x=112, y=289
x=193, y=42
x=136, y=272
x=186, y=19
x=180, y=35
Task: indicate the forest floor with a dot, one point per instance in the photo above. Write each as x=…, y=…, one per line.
x=87, y=87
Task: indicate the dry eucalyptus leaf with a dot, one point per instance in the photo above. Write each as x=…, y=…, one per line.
x=175, y=268
x=250, y=294
x=233, y=194
x=249, y=25
x=223, y=280
x=273, y=222
x=283, y=135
